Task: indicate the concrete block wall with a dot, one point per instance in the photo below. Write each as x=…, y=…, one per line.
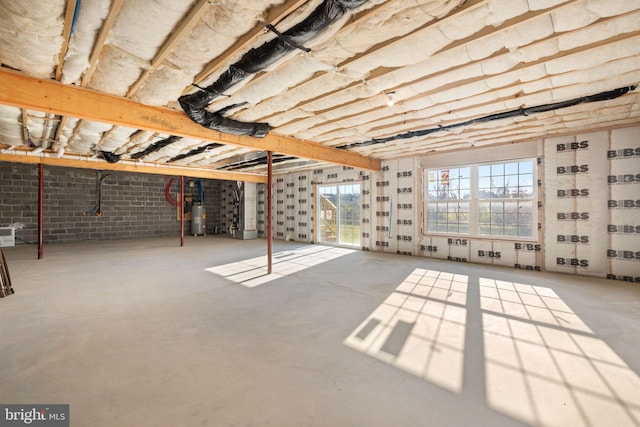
x=132, y=205
x=19, y=199
x=227, y=207
x=213, y=195
x=261, y=208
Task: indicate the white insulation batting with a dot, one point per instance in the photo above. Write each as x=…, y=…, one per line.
x=348, y=41
x=133, y=42
x=84, y=33
x=523, y=37
x=11, y=126
x=35, y=32
x=88, y=136
x=66, y=133
x=116, y=138
x=443, y=61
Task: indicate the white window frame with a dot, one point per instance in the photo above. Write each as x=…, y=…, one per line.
x=338, y=218
x=451, y=196
x=473, y=201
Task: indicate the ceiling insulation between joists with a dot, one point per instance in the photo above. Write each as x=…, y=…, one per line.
x=441, y=62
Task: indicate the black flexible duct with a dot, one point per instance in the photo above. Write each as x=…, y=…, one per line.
x=109, y=156
x=277, y=158
x=258, y=59
x=602, y=96
x=217, y=121
x=155, y=147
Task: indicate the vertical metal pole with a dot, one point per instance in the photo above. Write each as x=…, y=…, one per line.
x=181, y=204
x=40, y=210
x=269, y=213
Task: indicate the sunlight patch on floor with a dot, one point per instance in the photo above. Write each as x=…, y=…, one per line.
x=542, y=364
x=545, y=367
x=253, y=272
x=420, y=328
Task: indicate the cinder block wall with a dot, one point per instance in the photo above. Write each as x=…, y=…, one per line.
x=132, y=205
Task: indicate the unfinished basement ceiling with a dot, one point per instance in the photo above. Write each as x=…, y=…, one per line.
x=458, y=73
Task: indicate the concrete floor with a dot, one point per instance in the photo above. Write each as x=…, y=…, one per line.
x=145, y=333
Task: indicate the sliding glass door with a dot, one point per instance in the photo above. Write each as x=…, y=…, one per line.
x=339, y=214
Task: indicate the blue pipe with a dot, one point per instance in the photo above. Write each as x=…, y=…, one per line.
x=200, y=191
x=75, y=17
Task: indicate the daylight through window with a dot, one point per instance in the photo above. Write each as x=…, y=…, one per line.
x=495, y=199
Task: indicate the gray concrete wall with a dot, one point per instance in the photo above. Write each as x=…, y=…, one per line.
x=133, y=205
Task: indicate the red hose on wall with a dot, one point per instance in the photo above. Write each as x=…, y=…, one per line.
x=167, y=193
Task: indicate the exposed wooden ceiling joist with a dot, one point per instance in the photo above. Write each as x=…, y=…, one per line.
x=102, y=37
x=274, y=16
x=66, y=33
x=352, y=23
x=187, y=24
x=460, y=44
x=50, y=96
x=88, y=163
x=441, y=62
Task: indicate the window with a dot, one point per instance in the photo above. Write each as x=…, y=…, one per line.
x=339, y=214
x=449, y=192
x=495, y=199
x=505, y=199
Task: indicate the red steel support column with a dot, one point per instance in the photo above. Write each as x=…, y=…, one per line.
x=269, y=216
x=40, y=210
x=181, y=204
